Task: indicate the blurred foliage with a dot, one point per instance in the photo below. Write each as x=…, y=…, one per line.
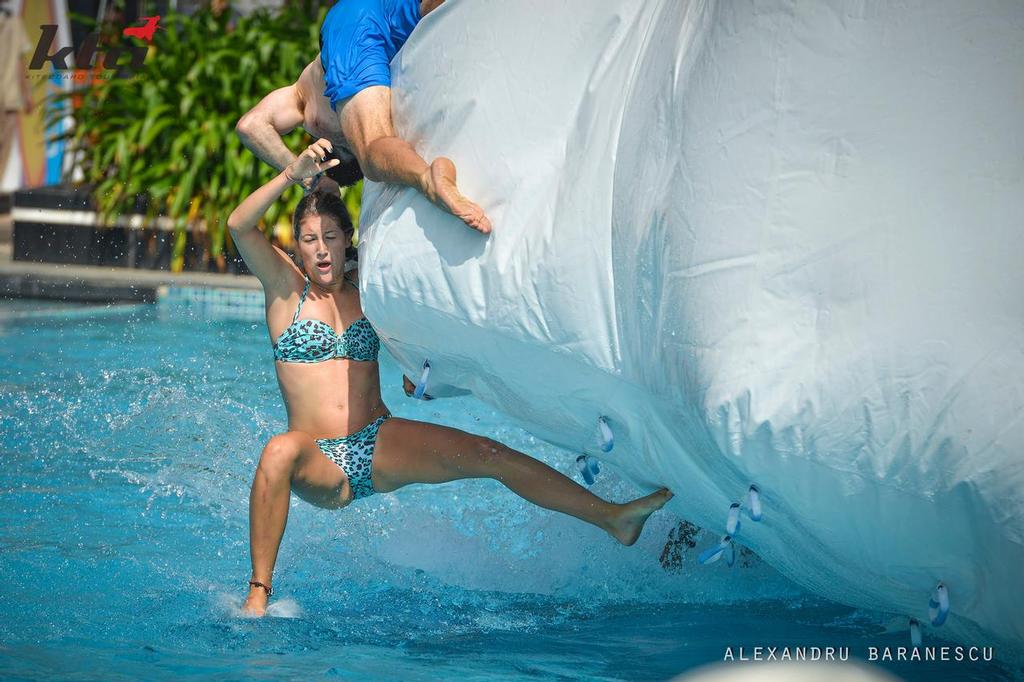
x=164, y=140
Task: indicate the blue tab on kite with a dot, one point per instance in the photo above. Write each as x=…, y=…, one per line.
x=421, y=386
x=754, y=503
x=732, y=522
x=938, y=605
x=713, y=554
x=606, y=440
x=588, y=468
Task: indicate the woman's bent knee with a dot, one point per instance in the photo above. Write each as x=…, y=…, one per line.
x=281, y=453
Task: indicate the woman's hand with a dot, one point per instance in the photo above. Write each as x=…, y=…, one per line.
x=310, y=163
x=271, y=265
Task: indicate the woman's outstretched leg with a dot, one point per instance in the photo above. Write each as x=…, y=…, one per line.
x=416, y=452
x=290, y=462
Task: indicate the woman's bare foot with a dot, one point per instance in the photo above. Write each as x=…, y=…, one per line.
x=440, y=188
x=256, y=603
x=631, y=516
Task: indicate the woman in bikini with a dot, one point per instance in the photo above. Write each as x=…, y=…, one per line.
x=342, y=443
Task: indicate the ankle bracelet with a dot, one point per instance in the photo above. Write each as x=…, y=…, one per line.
x=266, y=588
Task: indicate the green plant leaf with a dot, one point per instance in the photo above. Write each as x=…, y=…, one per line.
x=168, y=133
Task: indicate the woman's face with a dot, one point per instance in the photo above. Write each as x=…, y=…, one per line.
x=321, y=246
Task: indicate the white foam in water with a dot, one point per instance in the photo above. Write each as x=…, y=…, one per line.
x=769, y=241
x=284, y=608
x=231, y=604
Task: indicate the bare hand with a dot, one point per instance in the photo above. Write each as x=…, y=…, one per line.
x=310, y=163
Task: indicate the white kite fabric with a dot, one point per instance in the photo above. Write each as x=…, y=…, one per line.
x=770, y=243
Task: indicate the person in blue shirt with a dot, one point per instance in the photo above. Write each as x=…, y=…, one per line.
x=345, y=96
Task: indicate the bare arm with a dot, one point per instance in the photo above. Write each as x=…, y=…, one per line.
x=366, y=124
x=261, y=128
x=269, y=263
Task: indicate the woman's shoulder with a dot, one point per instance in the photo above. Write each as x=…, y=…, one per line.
x=289, y=286
x=282, y=303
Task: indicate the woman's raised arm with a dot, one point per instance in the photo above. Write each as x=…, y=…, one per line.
x=269, y=263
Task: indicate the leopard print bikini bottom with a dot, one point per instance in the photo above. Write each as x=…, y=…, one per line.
x=354, y=454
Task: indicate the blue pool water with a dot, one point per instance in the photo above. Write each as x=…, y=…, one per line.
x=129, y=438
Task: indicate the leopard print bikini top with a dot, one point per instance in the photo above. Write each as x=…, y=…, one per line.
x=316, y=341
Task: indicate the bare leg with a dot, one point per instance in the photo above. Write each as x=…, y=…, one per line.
x=290, y=461
x=428, y=6
x=393, y=159
x=442, y=190
x=365, y=120
x=415, y=452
